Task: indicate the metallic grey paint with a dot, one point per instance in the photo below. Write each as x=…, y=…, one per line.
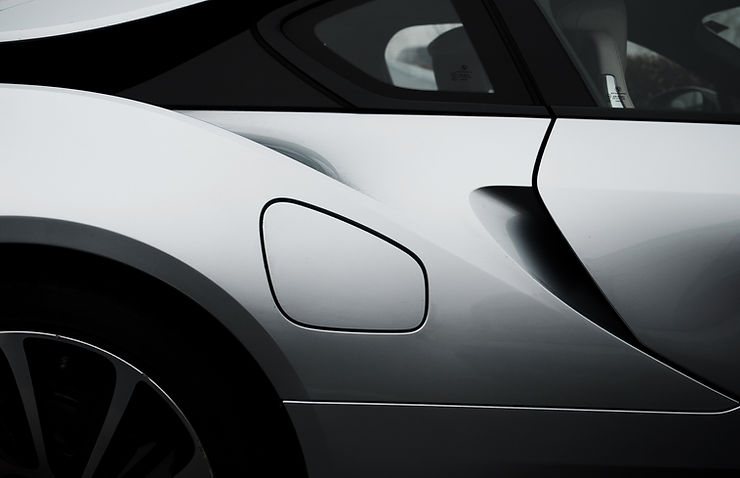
x=368, y=440
x=653, y=211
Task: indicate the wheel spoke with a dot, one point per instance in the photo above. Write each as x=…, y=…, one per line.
x=140, y=429
x=126, y=381
x=12, y=346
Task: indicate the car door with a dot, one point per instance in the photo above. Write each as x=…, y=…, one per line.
x=645, y=190
x=440, y=128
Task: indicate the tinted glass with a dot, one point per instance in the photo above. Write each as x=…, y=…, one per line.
x=725, y=24
x=386, y=40
x=201, y=56
x=660, y=55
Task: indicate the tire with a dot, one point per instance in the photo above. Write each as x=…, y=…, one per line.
x=90, y=341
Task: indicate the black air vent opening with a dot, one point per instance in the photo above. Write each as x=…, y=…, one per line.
x=544, y=252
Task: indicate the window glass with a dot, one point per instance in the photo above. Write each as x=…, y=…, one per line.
x=653, y=54
x=386, y=40
x=650, y=75
x=725, y=24
x=407, y=56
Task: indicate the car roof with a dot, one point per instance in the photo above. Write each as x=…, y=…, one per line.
x=28, y=19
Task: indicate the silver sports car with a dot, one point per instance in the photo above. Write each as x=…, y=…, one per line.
x=360, y=238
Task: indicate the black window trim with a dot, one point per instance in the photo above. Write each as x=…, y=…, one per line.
x=137, y=54
x=553, y=72
x=617, y=114
x=370, y=95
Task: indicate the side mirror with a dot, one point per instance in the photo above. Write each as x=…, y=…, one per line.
x=690, y=98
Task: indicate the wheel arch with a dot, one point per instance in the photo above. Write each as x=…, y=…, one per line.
x=97, y=249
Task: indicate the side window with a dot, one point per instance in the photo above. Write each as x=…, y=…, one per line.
x=409, y=60
x=653, y=54
x=651, y=79
x=725, y=24
x=430, y=50
x=436, y=57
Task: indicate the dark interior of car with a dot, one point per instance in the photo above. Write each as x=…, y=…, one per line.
x=691, y=66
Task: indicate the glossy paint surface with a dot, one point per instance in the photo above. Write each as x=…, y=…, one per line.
x=326, y=272
x=493, y=335
x=368, y=440
x=27, y=19
x=653, y=211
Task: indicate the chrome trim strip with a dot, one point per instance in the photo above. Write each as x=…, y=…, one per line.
x=502, y=407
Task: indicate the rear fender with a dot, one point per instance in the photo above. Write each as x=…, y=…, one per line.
x=167, y=194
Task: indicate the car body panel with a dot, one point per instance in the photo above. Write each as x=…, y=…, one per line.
x=493, y=334
x=327, y=272
x=504, y=371
x=653, y=211
x=28, y=19
x=44, y=232
x=367, y=440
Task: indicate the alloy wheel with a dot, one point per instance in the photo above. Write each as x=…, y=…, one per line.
x=69, y=409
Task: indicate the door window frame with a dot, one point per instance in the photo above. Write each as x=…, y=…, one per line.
x=289, y=31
